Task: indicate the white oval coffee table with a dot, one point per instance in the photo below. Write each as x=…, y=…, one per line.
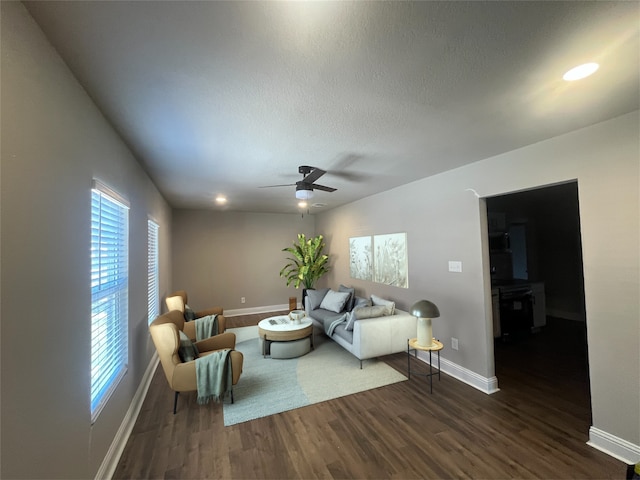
x=284, y=338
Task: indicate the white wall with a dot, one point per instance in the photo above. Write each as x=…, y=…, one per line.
x=54, y=141
x=443, y=218
x=219, y=257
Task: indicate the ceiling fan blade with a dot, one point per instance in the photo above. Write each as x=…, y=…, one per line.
x=315, y=186
x=314, y=175
x=284, y=185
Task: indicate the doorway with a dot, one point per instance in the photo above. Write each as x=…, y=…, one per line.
x=544, y=256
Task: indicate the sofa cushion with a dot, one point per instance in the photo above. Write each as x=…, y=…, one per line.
x=187, y=350
x=342, y=332
x=315, y=297
x=381, y=301
x=335, y=301
x=323, y=316
x=330, y=322
x=352, y=297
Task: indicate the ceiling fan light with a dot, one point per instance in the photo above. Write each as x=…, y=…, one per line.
x=580, y=72
x=304, y=194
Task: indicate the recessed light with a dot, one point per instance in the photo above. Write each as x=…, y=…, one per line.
x=580, y=72
x=302, y=204
x=221, y=200
x=319, y=205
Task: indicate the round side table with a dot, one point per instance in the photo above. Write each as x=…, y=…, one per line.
x=436, y=346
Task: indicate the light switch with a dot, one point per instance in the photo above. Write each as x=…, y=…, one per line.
x=455, y=266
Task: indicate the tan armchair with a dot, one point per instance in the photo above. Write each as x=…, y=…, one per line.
x=181, y=376
x=178, y=301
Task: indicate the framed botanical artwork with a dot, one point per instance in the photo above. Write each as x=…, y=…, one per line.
x=360, y=258
x=380, y=259
x=390, y=260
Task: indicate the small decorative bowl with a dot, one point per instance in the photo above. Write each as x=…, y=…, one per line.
x=296, y=315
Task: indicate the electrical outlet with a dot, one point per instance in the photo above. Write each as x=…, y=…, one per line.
x=454, y=343
x=455, y=266
x=242, y=299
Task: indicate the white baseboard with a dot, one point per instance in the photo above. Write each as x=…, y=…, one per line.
x=111, y=459
x=616, y=447
x=484, y=384
x=252, y=310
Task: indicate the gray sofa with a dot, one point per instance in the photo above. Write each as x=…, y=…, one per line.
x=367, y=328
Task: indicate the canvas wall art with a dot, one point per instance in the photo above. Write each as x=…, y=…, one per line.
x=361, y=260
x=380, y=258
x=390, y=260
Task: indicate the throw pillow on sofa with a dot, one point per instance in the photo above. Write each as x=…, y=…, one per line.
x=334, y=301
x=352, y=297
x=358, y=303
x=315, y=297
x=362, y=302
x=366, y=312
x=386, y=303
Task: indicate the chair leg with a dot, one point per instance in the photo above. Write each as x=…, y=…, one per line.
x=232, y=395
x=175, y=402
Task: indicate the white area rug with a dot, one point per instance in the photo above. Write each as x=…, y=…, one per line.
x=269, y=386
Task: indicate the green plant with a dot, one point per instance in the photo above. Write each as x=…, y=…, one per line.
x=308, y=263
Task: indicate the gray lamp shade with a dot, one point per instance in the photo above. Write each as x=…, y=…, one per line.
x=425, y=309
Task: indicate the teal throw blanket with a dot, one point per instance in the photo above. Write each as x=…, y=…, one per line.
x=214, y=376
x=206, y=327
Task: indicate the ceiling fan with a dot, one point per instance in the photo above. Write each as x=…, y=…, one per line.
x=306, y=186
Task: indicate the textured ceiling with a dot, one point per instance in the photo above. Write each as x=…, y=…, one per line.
x=225, y=97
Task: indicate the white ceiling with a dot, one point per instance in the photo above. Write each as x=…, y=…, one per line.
x=225, y=97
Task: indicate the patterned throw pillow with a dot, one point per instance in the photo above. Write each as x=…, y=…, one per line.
x=188, y=350
x=189, y=314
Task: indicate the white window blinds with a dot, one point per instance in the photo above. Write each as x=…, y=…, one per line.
x=153, y=294
x=109, y=293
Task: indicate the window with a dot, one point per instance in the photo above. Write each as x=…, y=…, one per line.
x=109, y=293
x=153, y=292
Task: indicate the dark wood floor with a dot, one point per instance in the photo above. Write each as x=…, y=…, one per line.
x=535, y=427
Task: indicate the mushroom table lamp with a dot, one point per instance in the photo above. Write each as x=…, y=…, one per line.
x=425, y=310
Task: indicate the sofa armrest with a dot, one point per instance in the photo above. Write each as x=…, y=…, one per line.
x=213, y=311
x=184, y=377
x=375, y=337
